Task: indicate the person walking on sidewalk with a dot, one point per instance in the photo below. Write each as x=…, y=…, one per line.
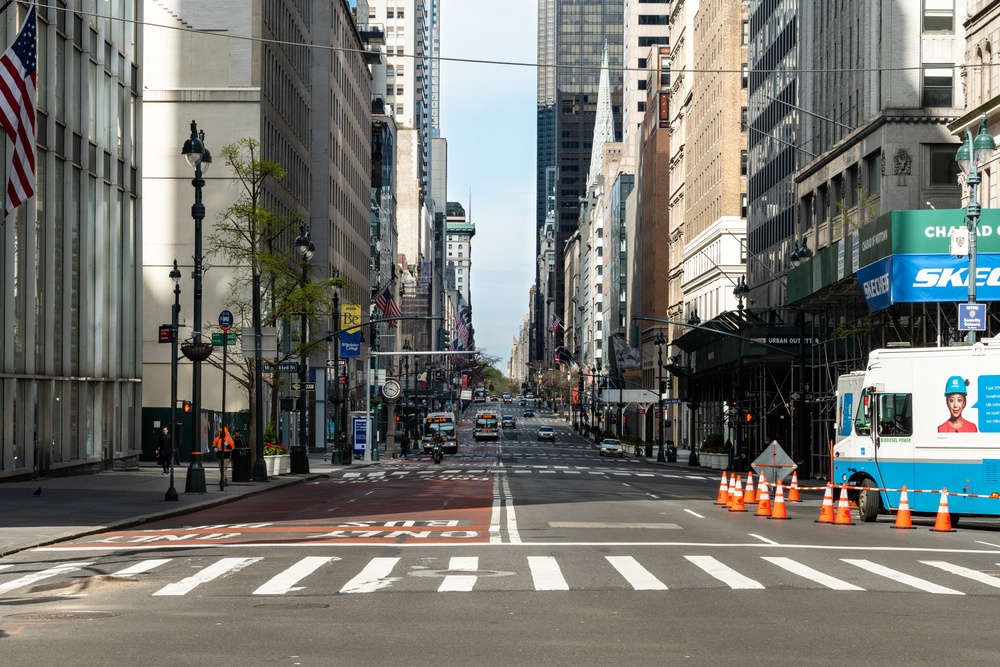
x=223, y=444
x=165, y=450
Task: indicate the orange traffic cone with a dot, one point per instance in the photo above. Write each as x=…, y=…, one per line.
x=778, y=511
x=764, y=500
x=826, y=510
x=943, y=522
x=723, y=494
x=903, y=519
x=843, y=509
x=749, y=497
x=793, y=491
x=738, y=505
x=731, y=491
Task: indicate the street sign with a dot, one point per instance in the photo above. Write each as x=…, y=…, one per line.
x=671, y=401
x=223, y=339
x=225, y=321
x=972, y=317
x=299, y=386
x=166, y=333
x=283, y=367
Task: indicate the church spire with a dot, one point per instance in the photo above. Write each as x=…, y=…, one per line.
x=604, y=123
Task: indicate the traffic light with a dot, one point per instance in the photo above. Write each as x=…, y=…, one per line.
x=186, y=407
x=748, y=417
x=398, y=419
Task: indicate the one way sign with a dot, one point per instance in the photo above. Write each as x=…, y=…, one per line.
x=299, y=386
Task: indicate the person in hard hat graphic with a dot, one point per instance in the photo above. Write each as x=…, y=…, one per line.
x=955, y=395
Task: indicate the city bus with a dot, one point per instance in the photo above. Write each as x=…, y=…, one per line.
x=443, y=423
x=479, y=395
x=487, y=426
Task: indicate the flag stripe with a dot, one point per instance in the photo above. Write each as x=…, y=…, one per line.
x=18, y=85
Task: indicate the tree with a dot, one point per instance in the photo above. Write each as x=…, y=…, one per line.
x=255, y=239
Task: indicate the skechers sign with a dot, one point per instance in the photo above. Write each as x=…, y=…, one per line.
x=928, y=279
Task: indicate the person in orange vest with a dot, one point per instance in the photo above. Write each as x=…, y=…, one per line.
x=223, y=444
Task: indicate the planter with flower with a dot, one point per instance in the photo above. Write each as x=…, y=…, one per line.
x=276, y=456
x=714, y=453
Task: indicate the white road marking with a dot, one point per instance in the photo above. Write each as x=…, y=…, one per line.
x=144, y=566
x=546, y=574
x=495, y=512
x=460, y=583
x=639, y=577
x=693, y=513
x=515, y=537
x=373, y=577
x=29, y=579
x=725, y=574
x=285, y=582
x=975, y=575
x=901, y=577
x=213, y=571
x=813, y=575
x=763, y=539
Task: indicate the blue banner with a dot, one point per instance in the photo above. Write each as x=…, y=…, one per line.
x=928, y=279
x=350, y=345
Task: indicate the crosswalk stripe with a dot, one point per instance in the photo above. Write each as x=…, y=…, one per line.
x=213, y=571
x=809, y=573
x=286, y=581
x=901, y=577
x=546, y=574
x=374, y=576
x=460, y=583
x=725, y=574
x=144, y=566
x=975, y=575
x=29, y=579
x=639, y=577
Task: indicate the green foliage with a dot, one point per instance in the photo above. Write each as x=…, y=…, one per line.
x=714, y=443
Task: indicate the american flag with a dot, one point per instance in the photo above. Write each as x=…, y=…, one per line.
x=17, y=113
x=463, y=330
x=556, y=321
x=385, y=303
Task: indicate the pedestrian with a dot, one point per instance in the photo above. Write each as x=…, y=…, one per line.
x=165, y=450
x=404, y=443
x=238, y=442
x=223, y=444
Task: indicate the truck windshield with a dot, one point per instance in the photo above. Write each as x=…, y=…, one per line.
x=863, y=420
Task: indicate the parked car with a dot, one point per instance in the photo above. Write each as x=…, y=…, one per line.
x=529, y=413
x=508, y=422
x=612, y=447
x=546, y=433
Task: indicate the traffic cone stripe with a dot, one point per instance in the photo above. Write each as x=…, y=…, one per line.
x=764, y=502
x=720, y=498
x=793, y=492
x=749, y=497
x=731, y=491
x=738, y=505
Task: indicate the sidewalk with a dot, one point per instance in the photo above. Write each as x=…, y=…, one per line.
x=70, y=507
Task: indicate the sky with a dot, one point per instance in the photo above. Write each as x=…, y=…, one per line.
x=488, y=118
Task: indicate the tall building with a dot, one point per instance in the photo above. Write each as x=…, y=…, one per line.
x=646, y=25
x=72, y=280
x=571, y=37
x=459, y=253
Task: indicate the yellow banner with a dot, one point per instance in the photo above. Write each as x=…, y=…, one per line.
x=350, y=317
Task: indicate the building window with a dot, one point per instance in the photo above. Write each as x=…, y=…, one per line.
x=938, y=83
x=873, y=172
x=743, y=119
x=944, y=168
x=399, y=90
x=642, y=63
x=939, y=15
x=743, y=81
x=652, y=19
x=642, y=84
x=743, y=163
x=640, y=107
x=743, y=205
x=746, y=33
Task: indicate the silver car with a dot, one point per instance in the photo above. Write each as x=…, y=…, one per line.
x=612, y=447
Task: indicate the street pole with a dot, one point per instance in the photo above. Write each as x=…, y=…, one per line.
x=175, y=275
x=659, y=342
x=259, y=467
x=199, y=157
x=336, y=456
x=299, y=454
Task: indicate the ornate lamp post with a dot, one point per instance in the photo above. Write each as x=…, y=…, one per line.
x=659, y=342
x=175, y=310
x=299, y=455
x=970, y=155
x=199, y=157
x=693, y=404
x=741, y=292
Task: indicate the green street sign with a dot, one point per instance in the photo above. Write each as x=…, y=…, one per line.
x=229, y=339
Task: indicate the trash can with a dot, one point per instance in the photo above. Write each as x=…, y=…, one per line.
x=240, y=459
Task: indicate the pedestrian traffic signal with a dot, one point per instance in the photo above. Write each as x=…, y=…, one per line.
x=186, y=407
x=748, y=417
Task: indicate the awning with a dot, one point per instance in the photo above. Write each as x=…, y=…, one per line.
x=723, y=325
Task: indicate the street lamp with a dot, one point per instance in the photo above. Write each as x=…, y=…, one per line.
x=970, y=155
x=175, y=310
x=693, y=405
x=199, y=157
x=340, y=455
x=741, y=292
x=800, y=253
x=298, y=454
x=659, y=342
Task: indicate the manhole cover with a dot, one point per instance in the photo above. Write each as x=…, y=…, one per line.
x=65, y=615
x=461, y=573
x=293, y=605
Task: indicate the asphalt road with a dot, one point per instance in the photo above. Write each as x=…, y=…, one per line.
x=513, y=552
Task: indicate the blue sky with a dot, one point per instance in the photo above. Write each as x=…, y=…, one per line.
x=488, y=118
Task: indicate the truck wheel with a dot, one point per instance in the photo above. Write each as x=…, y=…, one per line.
x=869, y=501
